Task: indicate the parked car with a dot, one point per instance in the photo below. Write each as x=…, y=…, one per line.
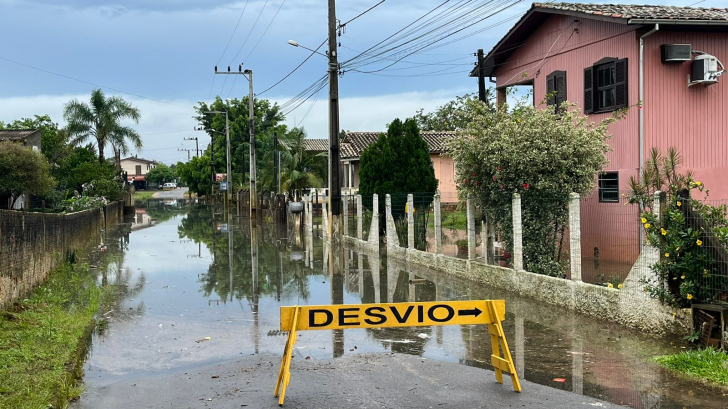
x=169, y=186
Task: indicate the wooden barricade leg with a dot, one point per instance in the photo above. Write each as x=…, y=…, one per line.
x=284, y=374
x=498, y=342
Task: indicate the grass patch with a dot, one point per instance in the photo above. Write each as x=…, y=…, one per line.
x=450, y=220
x=43, y=340
x=709, y=364
x=142, y=195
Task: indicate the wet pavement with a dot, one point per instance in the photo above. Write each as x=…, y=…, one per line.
x=194, y=297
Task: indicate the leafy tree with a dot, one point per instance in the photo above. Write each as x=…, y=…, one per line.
x=196, y=174
x=397, y=164
x=542, y=155
x=54, y=141
x=161, y=174
x=452, y=116
x=23, y=171
x=300, y=169
x=268, y=119
x=101, y=120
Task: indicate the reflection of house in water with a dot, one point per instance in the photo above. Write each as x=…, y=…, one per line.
x=142, y=220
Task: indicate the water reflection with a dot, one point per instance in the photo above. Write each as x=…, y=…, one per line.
x=241, y=274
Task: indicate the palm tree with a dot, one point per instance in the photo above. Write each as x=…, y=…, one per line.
x=300, y=170
x=102, y=120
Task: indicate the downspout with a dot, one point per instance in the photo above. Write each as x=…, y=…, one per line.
x=642, y=115
x=642, y=99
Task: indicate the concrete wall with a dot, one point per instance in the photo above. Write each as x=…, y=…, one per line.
x=33, y=244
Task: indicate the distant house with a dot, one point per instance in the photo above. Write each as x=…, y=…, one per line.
x=663, y=62
x=30, y=138
x=354, y=143
x=136, y=170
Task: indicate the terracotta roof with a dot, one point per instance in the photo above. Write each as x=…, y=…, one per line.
x=357, y=142
x=16, y=134
x=711, y=19
x=310, y=145
x=640, y=12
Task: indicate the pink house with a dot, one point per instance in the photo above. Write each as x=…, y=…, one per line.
x=354, y=143
x=662, y=62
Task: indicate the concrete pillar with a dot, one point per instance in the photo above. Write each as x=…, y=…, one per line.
x=658, y=206
x=375, y=267
x=484, y=239
x=325, y=216
x=410, y=222
x=517, y=233
x=374, y=228
x=358, y=217
x=471, y=228
x=575, y=236
x=345, y=204
x=438, y=224
x=360, y=264
x=392, y=239
x=577, y=365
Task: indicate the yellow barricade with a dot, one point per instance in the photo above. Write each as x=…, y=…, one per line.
x=347, y=316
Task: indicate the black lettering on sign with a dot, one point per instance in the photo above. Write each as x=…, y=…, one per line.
x=401, y=319
x=343, y=316
x=450, y=313
x=374, y=312
x=420, y=313
x=312, y=318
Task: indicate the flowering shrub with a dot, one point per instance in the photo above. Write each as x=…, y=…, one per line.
x=84, y=201
x=538, y=153
x=688, y=271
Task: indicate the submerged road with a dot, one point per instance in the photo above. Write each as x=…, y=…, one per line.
x=354, y=381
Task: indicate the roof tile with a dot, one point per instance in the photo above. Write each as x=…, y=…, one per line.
x=640, y=11
x=357, y=142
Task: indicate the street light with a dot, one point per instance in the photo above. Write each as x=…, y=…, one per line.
x=295, y=44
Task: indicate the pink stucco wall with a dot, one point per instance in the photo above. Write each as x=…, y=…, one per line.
x=445, y=174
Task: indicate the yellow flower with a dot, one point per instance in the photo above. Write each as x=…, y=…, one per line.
x=663, y=231
x=698, y=183
x=619, y=286
x=699, y=243
x=679, y=203
x=690, y=296
x=647, y=225
x=667, y=254
x=610, y=285
x=644, y=220
x=682, y=276
x=678, y=248
x=705, y=273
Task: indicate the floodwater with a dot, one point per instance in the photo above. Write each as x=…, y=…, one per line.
x=192, y=295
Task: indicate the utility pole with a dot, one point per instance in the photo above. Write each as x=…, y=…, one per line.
x=212, y=160
x=251, y=116
x=481, y=77
x=187, y=150
x=335, y=226
x=197, y=144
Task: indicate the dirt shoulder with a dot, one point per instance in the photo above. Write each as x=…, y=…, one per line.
x=352, y=381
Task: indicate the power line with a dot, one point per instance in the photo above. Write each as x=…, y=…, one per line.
x=249, y=33
x=94, y=84
x=361, y=14
x=294, y=70
x=233, y=34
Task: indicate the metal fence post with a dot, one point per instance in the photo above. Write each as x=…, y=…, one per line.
x=470, y=215
x=575, y=236
x=517, y=233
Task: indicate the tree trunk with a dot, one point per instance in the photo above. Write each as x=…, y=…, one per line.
x=117, y=158
x=101, y=153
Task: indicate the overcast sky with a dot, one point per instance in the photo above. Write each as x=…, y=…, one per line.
x=165, y=50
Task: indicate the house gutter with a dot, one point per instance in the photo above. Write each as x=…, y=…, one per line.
x=656, y=22
x=642, y=99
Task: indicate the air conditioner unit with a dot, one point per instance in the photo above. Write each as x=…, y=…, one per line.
x=705, y=70
x=676, y=52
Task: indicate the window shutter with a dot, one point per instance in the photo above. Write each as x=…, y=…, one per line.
x=621, y=90
x=560, y=86
x=550, y=87
x=589, y=90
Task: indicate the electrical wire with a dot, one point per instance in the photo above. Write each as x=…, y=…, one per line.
x=362, y=13
x=294, y=70
x=249, y=33
x=94, y=84
x=233, y=34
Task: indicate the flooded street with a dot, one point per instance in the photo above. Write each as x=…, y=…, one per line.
x=194, y=296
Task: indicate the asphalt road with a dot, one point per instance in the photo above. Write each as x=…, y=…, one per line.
x=178, y=193
x=352, y=381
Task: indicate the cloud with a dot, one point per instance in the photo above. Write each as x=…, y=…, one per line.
x=164, y=127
